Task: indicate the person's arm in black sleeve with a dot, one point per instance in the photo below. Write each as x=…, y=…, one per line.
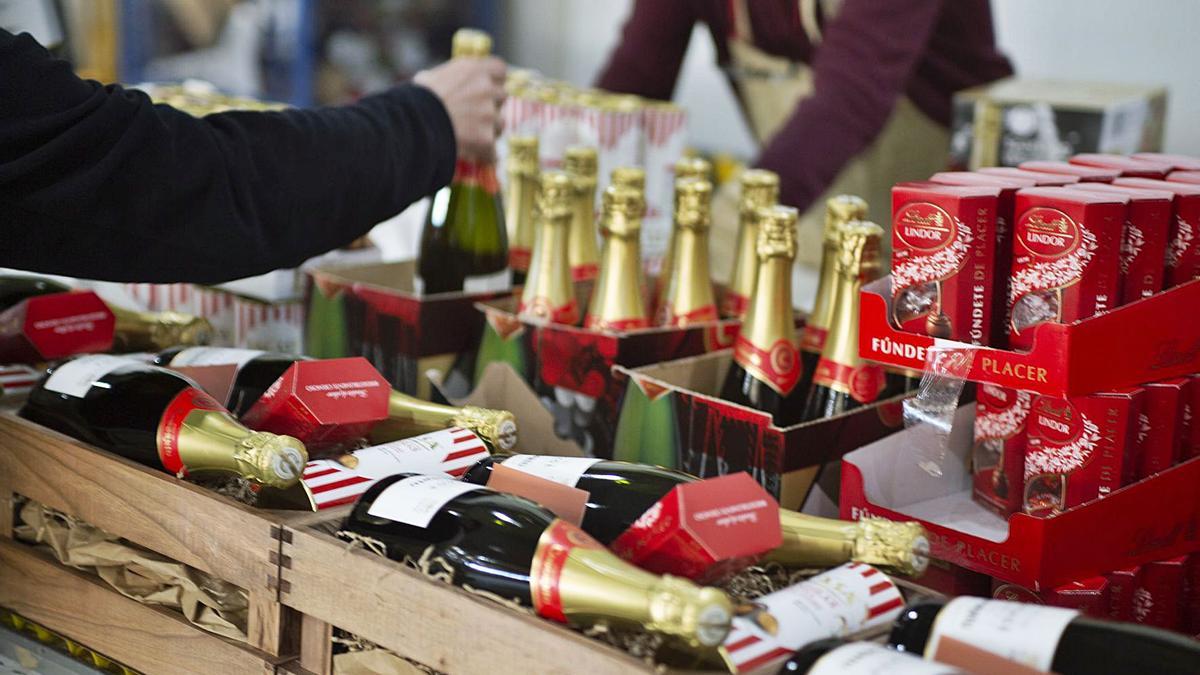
x=99, y=182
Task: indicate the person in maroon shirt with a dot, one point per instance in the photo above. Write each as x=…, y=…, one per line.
x=824, y=83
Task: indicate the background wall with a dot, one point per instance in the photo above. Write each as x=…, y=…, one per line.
x=1100, y=40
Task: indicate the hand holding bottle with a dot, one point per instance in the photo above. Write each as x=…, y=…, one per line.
x=471, y=87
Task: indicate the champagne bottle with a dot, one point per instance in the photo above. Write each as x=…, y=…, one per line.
x=687, y=167
x=1045, y=638
x=842, y=381
x=519, y=196
x=580, y=163
x=630, y=177
x=515, y=550
x=766, y=358
x=616, y=303
x=839, y=210
x=15, y=288
x=160, y=419
x=760, y=188
x=620, y=492
x=549, y=294
x=407, y=415
x=688, y=296
x=464, y=246
x=835, y=656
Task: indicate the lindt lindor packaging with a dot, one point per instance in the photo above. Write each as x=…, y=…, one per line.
x=1183, y=248
x=1191, y=599
x=1085, y=174
x=1160, y=426
x=1005, y=204
x=1128, y=166
x=1040, y=178
x=1077, y=449
x=1159, y=595
x=1144, y=240
x=1192, y=177
x=944, y=260
x=1091, y=596
x=1121, y=585
x=1066, y=259
x=998, y=455
x=1177, y=162
x=1191, y=425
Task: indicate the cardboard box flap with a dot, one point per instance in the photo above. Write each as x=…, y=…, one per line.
x=1065, y=94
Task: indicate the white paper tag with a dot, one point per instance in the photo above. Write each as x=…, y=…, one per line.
x=1027, y=634
x=75, y=377
x=868, y=658
x=214, y=356
x=561, y=470
x=844, y=600
x=489, y=283
x=416, y=500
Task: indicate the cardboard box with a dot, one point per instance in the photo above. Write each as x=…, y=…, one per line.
x=1066, y=259
x=1161, y=430
x=1091, y=596
x=1150, y=520
x=998, y=457
x=672, y=415
x=1016, y=120
x=1078, y=449
x=1183, y=251
x=1144, y=239
x=944, y=259
x=1128, y=166
x=1085, y=174
x=373, y=311
x=1039, y=178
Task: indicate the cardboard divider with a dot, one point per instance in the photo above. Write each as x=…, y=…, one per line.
x=1146, y=521
x=1145, y=341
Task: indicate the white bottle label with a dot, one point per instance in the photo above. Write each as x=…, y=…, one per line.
x=75, y=377
x=417, y=499
x=1027, y=634
x=844, y=600
x=562, y=470
x=214, y=356
x=489, y=283
x=868, y=658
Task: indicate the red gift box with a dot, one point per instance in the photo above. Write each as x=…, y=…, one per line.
x=1121, y=585
x=1191, y=596
x=1039, y=178
x=1091, y=596
x=1191, y=426
x=49, y=327
x=1192, y=177
x=998, y=459
x=1128, y=166
x=1158, y=597
x=1176, y=162
x=1085, y=174
x=1183, y=250
x=1144, y=240
x=1160, y=433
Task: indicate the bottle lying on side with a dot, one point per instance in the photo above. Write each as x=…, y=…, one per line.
x=511, y=548
x=838, y=657
x=160, y=419
x=407, y=415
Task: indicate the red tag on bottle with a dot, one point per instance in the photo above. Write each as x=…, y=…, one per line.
x=540, y=308
x=553, y=549
x=864, y=384
x=779, y=367
x=585, y=272
x=618, y=326
x=734, y=304
x=171, y=424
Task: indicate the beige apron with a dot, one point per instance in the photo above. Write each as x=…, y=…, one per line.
x=910, y=147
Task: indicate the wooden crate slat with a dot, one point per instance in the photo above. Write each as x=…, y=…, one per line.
x=149, y=639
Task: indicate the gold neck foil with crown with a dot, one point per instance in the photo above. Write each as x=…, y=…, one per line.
x=760, y=188
x=693, y=167
x=497, y=427
x=549, y=294
x=411, y=416
x=766, y=346
x=688, y=297
x=212, y=441
x=685, y=168
x=468, y=42
x=811, y=541
x=839, y=210
x=629, y=176
x=900, y=547
x=616, y=303
x=156, y=331
x=519, y=197
x=580, y=163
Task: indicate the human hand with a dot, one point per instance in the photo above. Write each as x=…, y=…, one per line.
x=472, y=90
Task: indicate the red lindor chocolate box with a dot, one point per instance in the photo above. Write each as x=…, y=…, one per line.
x=1161, y=425
x=1091, y=596
x=1085, y=174
x=944, y=260
x=53, y=326
x=1077, y=449
x=1191, y=425
x=1192, y=177
x=1191, y=597
x=1128, y=166
x=1158, y=597
x=998, y=457
x=1144, y=240
x=1039, y=178
x=1183, y=249
x=1177, y=162
x=1121, y=585
x=1066, y=258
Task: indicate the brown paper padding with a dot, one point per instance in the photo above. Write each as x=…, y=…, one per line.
x=566, y=502
x=979, y=661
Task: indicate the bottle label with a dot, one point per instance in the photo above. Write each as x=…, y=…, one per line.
x=812, y=339
x=734, y=304
x=519, y=258
x=416, y=500
x=617, y=325
x=215, y=356
x=174, y=419
x=480, y=174
x=868, y=658
x=75, y=377
x=703, y=314
x=497, y=282
x=585, y=272
x=334, y=482
x=779, y=367
x=562, y=470
x=541, y=308
x=554, y=550
x=864, y=383
x=844, y=600
x=1027, y=634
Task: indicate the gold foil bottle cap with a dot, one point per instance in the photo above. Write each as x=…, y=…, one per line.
x=693, y=167
x=470, y=42
x=693, y=203
x=523, y=153
x=629, y=176
x=581, y=161
x=839, y=210
x=759, y=188
x=497, y=427
x=700, y=616
x=622, y=103
x=623, y=208
x=555, y=197
x=185, y=329
x=273, y=460
x=777, y=231
x=859, y=248
x=900, y=547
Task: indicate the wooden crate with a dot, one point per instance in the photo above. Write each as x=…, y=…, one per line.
x=428, y=621
x=178, y=520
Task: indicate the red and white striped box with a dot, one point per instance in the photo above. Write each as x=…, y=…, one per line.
x=665, y=131
x=334, y=482
x=236, y=321
x=559, y=124
x=844, y=600
x=614, y=128
x=17, y=380
x=520, y=115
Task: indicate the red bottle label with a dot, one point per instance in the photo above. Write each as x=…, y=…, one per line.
x=172, y=422
x=519, y=258
x=616, y=326
x=479, y=174
x=734, y=304
x=703, y=314
x=551, y=558
x=585, y=272
x=778, y=366
x=864, y=384
x=540, y=308
x=812, y=339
